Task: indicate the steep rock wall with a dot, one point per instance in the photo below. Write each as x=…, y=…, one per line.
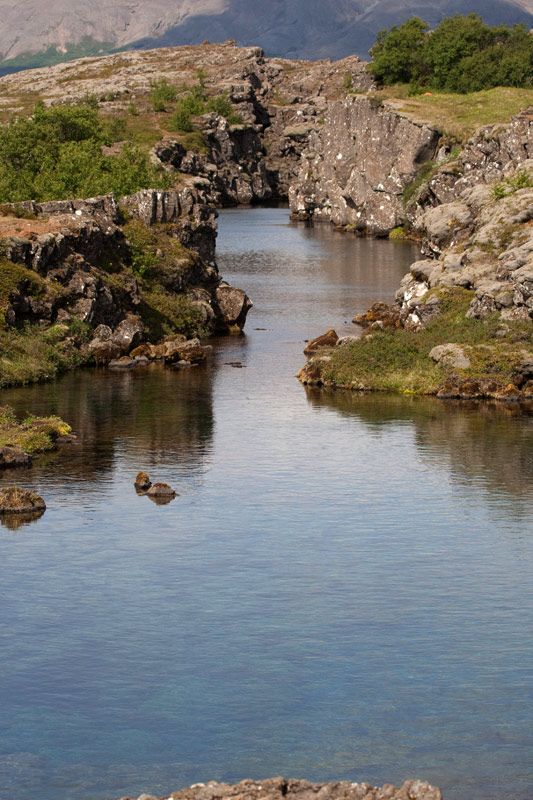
x=357, y=165
x=492, y=154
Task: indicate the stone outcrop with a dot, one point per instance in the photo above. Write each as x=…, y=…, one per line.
x=493, y=153
x=189, y=210
x=357, y=165
x=72, y=260
x=278, y=788
x=478, y=279
x=481, y=242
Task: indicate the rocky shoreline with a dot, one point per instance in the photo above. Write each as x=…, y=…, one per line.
x=461, y=325
x=291, y=789
x=100, y=278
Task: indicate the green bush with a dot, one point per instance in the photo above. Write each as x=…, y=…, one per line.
x=161, y=94
x=194, y=103
x=57, y=154
x=462, y=54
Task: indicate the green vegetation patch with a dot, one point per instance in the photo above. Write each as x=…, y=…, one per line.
x=53, y=55
x=460, y=115
x=15, y=276
x=398, y=360
x=31, y=354
x=33, y=434
x=158, y=260
x=165, y=313
x=156, y=255
x=57, y=154
x=462, y=54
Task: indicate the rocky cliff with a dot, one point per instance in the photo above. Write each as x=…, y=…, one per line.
x=136, y=271
x=461, y=325
x=357, y=165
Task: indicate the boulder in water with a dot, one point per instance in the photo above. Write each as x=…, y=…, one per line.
x=14, y=500
x=142, y=482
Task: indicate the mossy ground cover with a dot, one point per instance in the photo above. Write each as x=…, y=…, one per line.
x=30, y=354
x=157, y=260
x=398, y=360
x=33, y=434
x=460, y=115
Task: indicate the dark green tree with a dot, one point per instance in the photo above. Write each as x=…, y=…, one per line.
x=397, y=56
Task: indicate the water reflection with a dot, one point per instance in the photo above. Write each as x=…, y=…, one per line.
x=473, y=441
x=15, y=521
x=342, y=589
x=153, y=417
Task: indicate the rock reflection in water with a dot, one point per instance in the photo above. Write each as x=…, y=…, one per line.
x=489, y=440
x=165, y=420
x=15, y=521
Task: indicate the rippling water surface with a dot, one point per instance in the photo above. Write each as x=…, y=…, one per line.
x=341, y=591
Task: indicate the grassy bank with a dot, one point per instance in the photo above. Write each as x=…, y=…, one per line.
x=459, y=115
x=33, y=434
x=398, y=360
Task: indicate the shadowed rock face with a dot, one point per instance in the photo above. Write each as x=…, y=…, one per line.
x=277, y=788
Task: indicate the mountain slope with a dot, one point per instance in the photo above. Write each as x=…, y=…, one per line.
x=295, y=28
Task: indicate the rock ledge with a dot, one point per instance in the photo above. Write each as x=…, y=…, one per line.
x=277, y=788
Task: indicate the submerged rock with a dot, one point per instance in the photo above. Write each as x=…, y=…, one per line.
x=14, y=500
x=161, y=490
x=161, y=494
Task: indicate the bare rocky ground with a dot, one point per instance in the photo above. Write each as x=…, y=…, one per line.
x=277, y=788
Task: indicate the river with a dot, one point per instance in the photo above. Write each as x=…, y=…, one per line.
x=342, y=590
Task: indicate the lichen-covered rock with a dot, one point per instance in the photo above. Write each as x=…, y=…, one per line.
x=451, y=355
x=291, y=789
x=358, y=164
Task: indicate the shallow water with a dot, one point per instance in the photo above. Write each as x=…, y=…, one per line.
x=341, y=591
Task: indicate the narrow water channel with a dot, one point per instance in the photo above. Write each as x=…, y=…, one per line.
x=342, y=590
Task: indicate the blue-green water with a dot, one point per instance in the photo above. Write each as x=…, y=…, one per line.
x=341, y=591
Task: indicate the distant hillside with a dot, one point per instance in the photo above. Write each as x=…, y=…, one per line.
x=290, y=28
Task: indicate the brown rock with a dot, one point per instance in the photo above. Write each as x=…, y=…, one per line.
x=233, y=305
x=509, y=393
x=310, y=375
x=161, y=490
x=14, y=500
x=190, y=351
x=328, y=339
x=527, y=389
x=142, y=481
x=143, y=350
x=389, y=316
x=14, y=457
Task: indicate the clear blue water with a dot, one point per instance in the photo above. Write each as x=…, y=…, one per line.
x=341, y=591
